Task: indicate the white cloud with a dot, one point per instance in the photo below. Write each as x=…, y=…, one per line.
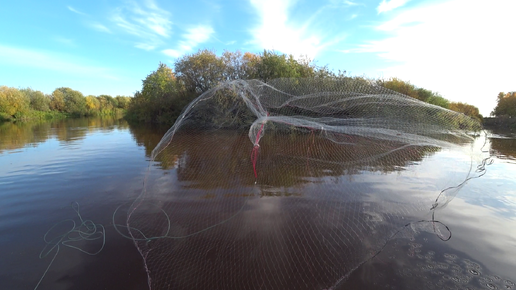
x=49, y=61
x=351, y=3
x=198, y=34
x=193, y=37
x=172, y=53
x=75, y=10
x=388, y=5
x=299, y=35
x=459, y=48
x=99, y=27
x=345, y=3
x=276, y=32
x=149, y=22
x=145, y=46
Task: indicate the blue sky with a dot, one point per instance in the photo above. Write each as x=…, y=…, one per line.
x=462, y=49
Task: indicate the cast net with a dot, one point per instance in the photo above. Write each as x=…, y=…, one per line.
x=294, y=183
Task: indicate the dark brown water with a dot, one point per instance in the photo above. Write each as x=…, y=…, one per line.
x=276, y=234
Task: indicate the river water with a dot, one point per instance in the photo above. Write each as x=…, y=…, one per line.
x=272, y=235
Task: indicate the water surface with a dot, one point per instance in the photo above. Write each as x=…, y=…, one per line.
x=273, y=236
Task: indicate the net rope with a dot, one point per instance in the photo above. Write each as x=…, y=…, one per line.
x=280, y=185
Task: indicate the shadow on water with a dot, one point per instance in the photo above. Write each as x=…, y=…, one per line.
x=147, y=135
x=504, y=148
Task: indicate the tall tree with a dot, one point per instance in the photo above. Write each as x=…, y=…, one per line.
x=506, y=105
x=162, y=81
x=161, y=99
x=200, y=71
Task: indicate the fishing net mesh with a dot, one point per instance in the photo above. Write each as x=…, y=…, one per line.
x=283, y=185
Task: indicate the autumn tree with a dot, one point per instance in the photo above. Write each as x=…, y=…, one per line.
x=57, y=102
x=506, y=105
x=38, y=100
x=272, y=65
x=74, y=102
x=466, y=109
x=411, y=90
x=106, y=104
x=250, y=63
x=200, y=71
x=234, y=65
x=13, y=103
x=402, y=87
x=438, y=100
x=123, y=102
x=92, y=105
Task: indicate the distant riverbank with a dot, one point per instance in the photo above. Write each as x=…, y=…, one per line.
x=503, y=122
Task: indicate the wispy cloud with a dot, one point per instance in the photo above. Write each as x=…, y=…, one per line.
x=175, y=53
x=388, y=5
x=75, y=10
x=465, y=59
x=197, y=35
x=351, y=3
x=277, y=31
x=149, y=22
x=65, y=41
x=193, y=37
x=145, y=46
x=50, y=61
x=99, y=27
x=345, y=3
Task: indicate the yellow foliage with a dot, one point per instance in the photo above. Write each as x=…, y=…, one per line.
x=12, y=101
x=466, y=109
x=92, y=104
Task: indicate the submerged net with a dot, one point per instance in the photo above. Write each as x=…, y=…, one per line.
x=294, y=183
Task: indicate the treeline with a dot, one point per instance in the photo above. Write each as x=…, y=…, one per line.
x=430, y=97
x=165, y=91
x=21, y=104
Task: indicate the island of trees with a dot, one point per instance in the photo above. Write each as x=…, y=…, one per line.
x=166, y=91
